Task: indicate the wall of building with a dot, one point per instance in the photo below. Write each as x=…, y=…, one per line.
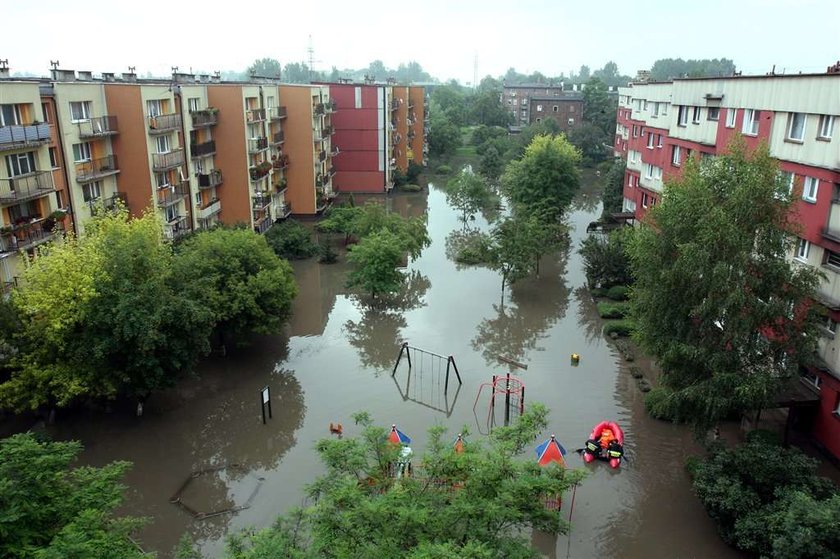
x=358, y=134
x=418, y=143
x=300, y=148
x=231, y=153
x=567, y=113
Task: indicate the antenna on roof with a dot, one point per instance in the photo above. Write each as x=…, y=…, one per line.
x=54, y=64
x=131, y=69
x=4, y=64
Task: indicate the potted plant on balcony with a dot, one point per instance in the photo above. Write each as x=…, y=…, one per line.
x=59, y=215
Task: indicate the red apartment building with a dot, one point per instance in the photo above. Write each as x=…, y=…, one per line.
x=660, y=125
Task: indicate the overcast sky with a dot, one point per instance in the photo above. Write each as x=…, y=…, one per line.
x=444, y=36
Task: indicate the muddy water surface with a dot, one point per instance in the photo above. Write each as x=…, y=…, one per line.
x=337, y=359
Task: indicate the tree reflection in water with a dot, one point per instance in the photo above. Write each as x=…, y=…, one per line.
x=587, y=315
x=377, y=334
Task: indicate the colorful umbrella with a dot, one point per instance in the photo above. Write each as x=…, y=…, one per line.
x=459, y=444
x=398, y=437
x=551, y=451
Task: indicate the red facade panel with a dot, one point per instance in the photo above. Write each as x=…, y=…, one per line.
x=827, y=421
x=356, y=119
x=356, y=140
x=361, y=181
x=357, y=161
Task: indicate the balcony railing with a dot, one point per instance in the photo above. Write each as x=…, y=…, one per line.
x=26, y=187
x=261, y=201
x=277, y=138
x=262, y=223
x=166, y=161
x=327, y=131
x=22, y=136
x=395, y=104
x=30, y=235
x=334, y=151
x=321, y=155
x=279, y=182
x=9, y=286
x=167, y=196
x=282, y=211
x=96, y=169
x=206, y=117
x=320, y=109
x=331, y=106
x=177, y=227
x=109, y=203
x=256, y=145
x=255, y=115
x=164, y=123
x=209, y=180
x=210, y=209
x=203, y=149
x=277, y=113
x=281, y=162
x=98, y=127
x=331, y=171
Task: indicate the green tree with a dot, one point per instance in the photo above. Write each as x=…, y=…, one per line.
x=546, y=178
x=605, y=259
x=444, y=134
x=479, y=503
x=492, y=163
x=486, y=108
x=450, y=101
x=613, y=195
x=50, y=511
x=669, y=68
x=375, y=259
x=716, y=300
x=358, y=222
x=291, y=240
x=590, y=140
x=599, y=109
x=512, y=251
x=247, y=288
x=266, y=67
x=468, y=193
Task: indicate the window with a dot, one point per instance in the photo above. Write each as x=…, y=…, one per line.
x=809, y=191
x=803, y=247
x=796, y=127
x=162, y=180
x=53, y=158
x=651, y=140
x=79, y=110
x=713, y=113
x=648, y=171
x=659, y=140
x=47, y=115
x=172, y=213
x=664, y=109
x=554, y=108
x=675, y=156
x=571, y=122
x=832, y=259
x=539, y=108
x=192, y=103
x=812, y=378
x=81, y=152
x=730, y=118
x=826, y=127
x=20, y=163
x=695, y=118
x=635, y=131
x=655, y=111
x=359, y=106
x=269, y=102
x=750, y=126
x=831, y=325
x=10, y=115
x=92, y=191
x=837, y=405
x=645, y=105
x=154, y=107
x=162, y=144
x=682, y=116
x=644, y=200
x=515, y=102
x=571, y=109
x=657, y=173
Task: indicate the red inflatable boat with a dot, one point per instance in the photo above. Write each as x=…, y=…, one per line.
x=606, y=442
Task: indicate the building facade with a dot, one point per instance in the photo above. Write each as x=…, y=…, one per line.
x=566, y=110
x=661, y=125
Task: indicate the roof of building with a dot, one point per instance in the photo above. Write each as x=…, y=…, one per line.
x=567, y=96
x=534, y=85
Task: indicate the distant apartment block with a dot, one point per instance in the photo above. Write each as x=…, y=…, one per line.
x=661, y=125
x=535, y=103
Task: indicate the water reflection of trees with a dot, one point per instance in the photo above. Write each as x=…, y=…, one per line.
x=377, y=334
x=587, y=315
x=536, y=304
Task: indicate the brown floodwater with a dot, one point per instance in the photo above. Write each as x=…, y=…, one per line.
x=336, y=359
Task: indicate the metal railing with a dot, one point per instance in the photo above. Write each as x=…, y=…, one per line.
x=28, y=236
x=26, y=187
x=170, y=195
x=277, y=113
x=209, y=180
x=109, y=203
x=281, y=162
x=331, y=171
x=18, y=136
x=395, y=104
x=98, y=126
x=282, y=211
x=94, y=169
x=177, y=227
x=321, y=155
x=255, y=115
x=261, y=201
x=170, y=160
x=206, y=117
x=202, y=149
x=327, y=131
x=210, y=209
x=278, y=138
x=164, y=123
x=256, y=145
x=319, y=109
x=335, y=151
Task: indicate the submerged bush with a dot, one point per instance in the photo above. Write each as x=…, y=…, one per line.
x=444, y=169
x=622, y=328
x=291, y=240
x=619, y=293
x=613, y=310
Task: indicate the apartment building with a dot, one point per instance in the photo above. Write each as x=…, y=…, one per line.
x=517, y=99
x=418, y=112
x=566, y=110
x=661, y=125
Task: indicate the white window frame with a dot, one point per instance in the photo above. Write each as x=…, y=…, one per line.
x=826, y=127
x=696, y=115
x=192, y=104
x=14, y=167
x=813, y=379
x=163, y=142
x=644, y=199
x=92, y=191
x=659, y=140
x=796, y=134
x=676, y=154
x=810, y=189
x=682, y=115
x=731, y=115
x=831, y=325
x=555, y=108
x=651, y=140
x=154, y=107
x=803, y=249
x=15, y=114
x=655, y=112
x=648, y=171
x=750, y=124
x=716, y=113
x=80, y=111
x=635, y=130
x=539, y=108
x=571, y=122
x=82, y=152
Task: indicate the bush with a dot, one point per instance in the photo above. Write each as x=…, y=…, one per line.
x=605, y=260
x=413, y=173
x=622, y=328
x=619, y=293
x=613, y=310
x=599, y=291
x=470, y=247
x=660, y=405
x=326, y=253
x=291, y=240
x=399, y=178
x=444, y=170
x=411, y=188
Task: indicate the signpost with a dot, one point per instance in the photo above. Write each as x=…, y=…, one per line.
x=265, y=399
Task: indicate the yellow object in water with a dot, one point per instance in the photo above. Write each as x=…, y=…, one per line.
x=575, y=359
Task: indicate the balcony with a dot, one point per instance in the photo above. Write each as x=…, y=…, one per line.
x=26, y=187
x=165, y=161
x=281, y=162
x=110, y=203
x=260, y=170
x=163, y=124
x=96, y=169
x=319, y=109
x=262, y=223
x=327, y=131
x=395, y=104
x=98, y=127
x=321, y=155
x=9, y=286
x=209, y=180
x=331, y=171
x=255, y=115
x=277, y=113
x=261, y=201
x=171, y=195
x=279, y=182
x=204, y=118
x=178, y=226
x=277, y=138
x=331, y=106
x=28, y=235
x=282, y=211
x=202, y=150
x=334, y=151
x=23, y=136
x=256, y=145
x=210, y=209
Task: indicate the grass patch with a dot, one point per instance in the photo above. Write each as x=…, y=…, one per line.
x=613, y=310
x=622, y=328
x=618, y=293
x=411, y=188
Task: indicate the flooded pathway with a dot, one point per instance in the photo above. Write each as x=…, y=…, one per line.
x=337, y=359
